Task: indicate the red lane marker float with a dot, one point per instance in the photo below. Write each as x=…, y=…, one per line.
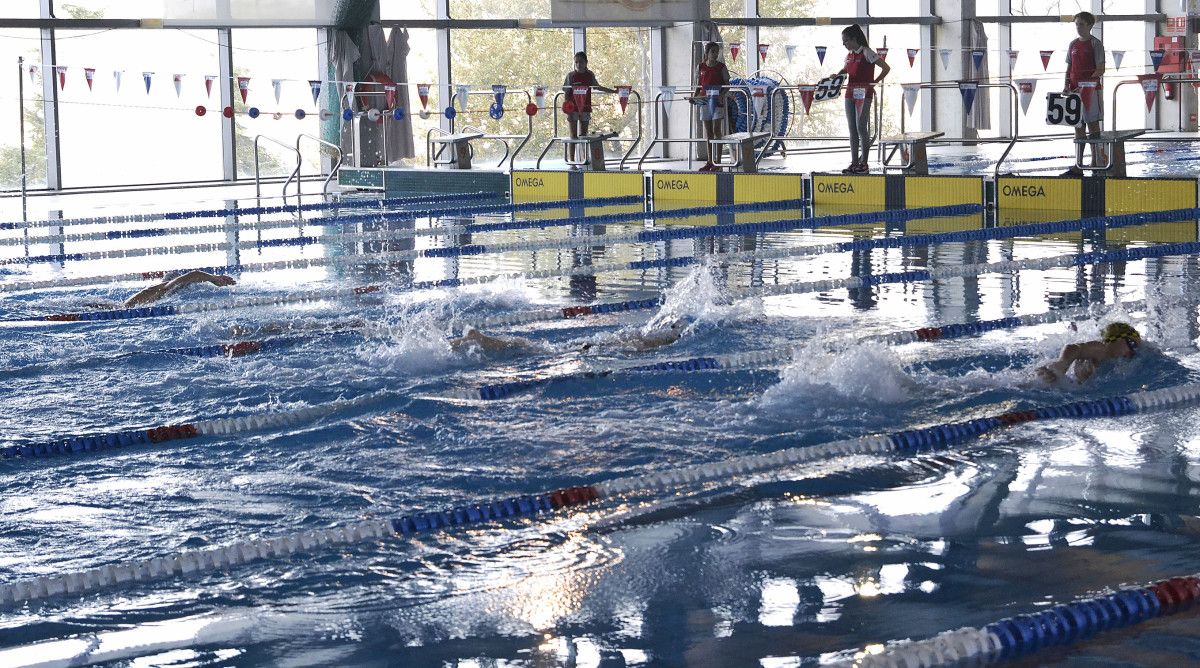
x=172, y=433
x=576, y=311
x=243, y=348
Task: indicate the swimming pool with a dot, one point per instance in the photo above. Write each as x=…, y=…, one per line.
x=790, y=566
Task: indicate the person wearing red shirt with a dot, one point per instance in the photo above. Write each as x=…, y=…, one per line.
x=579, y=119
x=861, y=61
x=1085, y=64
x=711, y=75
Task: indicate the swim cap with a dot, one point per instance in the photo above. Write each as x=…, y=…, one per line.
x=1119, y=330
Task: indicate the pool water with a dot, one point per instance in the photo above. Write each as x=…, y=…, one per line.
x=799, y=566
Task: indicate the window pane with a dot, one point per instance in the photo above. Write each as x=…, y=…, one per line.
x=499, y=9
x=825, y=119
x=108, y=9
x=396, y=10
x=1049, y=7
x=422, y=68
x=288, y=54
x=727, y=9
x=620, y=56
x=110, y=136
x=895, y=7
x=20, y=9
x=545, y=58
x=898, y=39
x=14, y=44
x=806, y=8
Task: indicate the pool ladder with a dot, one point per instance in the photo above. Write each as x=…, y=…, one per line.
x=295, y=175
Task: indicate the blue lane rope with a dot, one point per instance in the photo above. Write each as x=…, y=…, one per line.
x=1024, y=635
x=253, y=210
x=1015, y=640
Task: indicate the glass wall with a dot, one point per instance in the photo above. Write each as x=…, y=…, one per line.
x=131, y=125
x=401, y=10
x=15, y=44
x=620, y=56
x=499, y=9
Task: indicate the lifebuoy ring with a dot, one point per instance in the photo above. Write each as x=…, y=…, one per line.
x=376, y=83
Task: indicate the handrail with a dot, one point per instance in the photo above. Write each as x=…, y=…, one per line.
x=1172, y=80
x=659, y=139
x=633, y=142
x=332, y=171
x=257, y=171
x=1015, y=106
x=510, y=155
x=876, y=112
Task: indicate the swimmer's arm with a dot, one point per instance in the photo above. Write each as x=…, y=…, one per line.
x=168, y=288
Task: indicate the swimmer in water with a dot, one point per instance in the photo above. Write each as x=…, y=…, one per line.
x=1117, y=341
x=175, y=284
x=637, y=340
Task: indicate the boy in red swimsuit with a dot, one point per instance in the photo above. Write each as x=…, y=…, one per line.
x=1085, y=64
x=711, y=75
x=579, y=120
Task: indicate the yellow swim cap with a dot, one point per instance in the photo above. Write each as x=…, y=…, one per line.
x=1119, y=330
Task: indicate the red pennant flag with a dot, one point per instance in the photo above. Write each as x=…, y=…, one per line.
x=882, y=52
x=734, y=49
x=243, y=87
x=859, y=94
x=807, y=93
x=1046, y=59
x=89, y=73
x=912, y=57
x=623, y=96
x=208, y=79
x=423, y=93
x=762, y=51
x=1087, y=94
x=1150, y=88
x=62, y=76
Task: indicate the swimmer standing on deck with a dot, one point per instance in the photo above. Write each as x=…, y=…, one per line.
x=1117, y=341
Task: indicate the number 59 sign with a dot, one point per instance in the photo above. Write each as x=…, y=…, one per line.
x=830, y=88
x=1064, y=109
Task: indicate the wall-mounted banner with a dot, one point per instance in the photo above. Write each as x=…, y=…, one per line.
x=1025, y=89
x=968, y=90
x=910, y=96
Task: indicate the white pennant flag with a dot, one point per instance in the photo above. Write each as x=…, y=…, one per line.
x=1012, y=59
x=178, y=80
x=117, y=79
x=539, y=96
x=1118, y=56
x=790, y=50
x=463, y=92
x=276, y=84
x=945, y=54
x=33, y=70
x=1026, y=88
x=910, y=96
x=668, y=96
x=759, y=93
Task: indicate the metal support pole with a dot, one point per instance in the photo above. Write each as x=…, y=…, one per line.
x=228, y=125
x=50, y=102
x=24, y=175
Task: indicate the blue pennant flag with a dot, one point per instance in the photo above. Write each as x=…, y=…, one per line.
x=968, y=90
x=977, y=56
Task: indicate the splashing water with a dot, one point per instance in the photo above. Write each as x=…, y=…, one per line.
x=861, y=372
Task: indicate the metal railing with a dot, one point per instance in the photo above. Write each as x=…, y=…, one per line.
x=658, y=138
x=635, y=99
x=510, y=154
x=258, y=171
x=1014, y=108
x=1164, y=80
x=322, y=144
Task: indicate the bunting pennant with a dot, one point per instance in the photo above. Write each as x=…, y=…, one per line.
x=423, y=93
x=62, y=76
x=499, y=91
x=945, y=55
x=464, y=96
x=178, y=81
x=668, y=96
x=821, y=54
x=89, y=73
x=1012, y=59
x=539, y=96
x=882, y=52
x=1118, y=56
x=1150, y=88
x=276, y=84
x=244, y=87
x=912, y=57
x=790, y=50
x=977, y=56
x=314, y=86
x=623, y=96
x=1156, y=58
x=117, y=79
x=389, y=95
x=579, y=95
x=759, y=94
x=208, y=82
x=146, y=78
x=807, y=93
x=1087, y=94
x=910, y=96
x=734, y=48
x=1194, y=60
x=713, y=92
x=348, y=95
x=968, y=90
x=762, y=52
x=33, y=72
x=859, y=95
x=1026, y=88
x=1046, y=55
